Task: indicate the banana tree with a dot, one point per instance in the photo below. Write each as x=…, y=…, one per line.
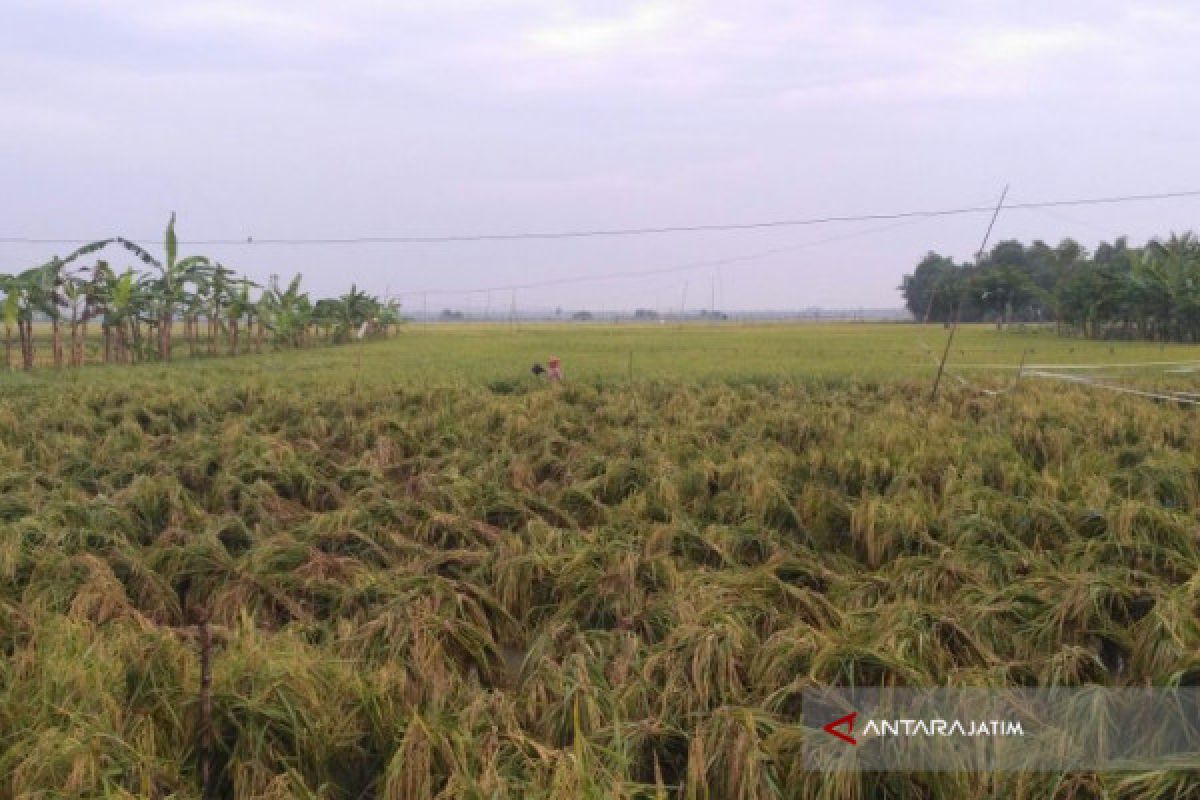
x=51, y=302
x=168, y=289
x=324, y=317
x=192, y=305
x=256, y=320
x=212, y=291
x=388, y=316
x=121, y=301
x=40, y=290
x=288, y=310
x=238, y=305
x=41, y=295
x=23, y=296
x=81, y=293
x=72, y=295
x=11, y=313
x=102, y=277
x=352, y=313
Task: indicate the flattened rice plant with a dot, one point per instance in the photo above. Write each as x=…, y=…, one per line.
x=589, y=591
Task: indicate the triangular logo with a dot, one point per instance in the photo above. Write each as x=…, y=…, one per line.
x=848, y=721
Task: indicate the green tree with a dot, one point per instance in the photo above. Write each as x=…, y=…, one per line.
x=929, y=291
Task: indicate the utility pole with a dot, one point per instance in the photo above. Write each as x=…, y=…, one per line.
x=387, y=302
x=721, y=285
x=958, y=306
x=929, y=308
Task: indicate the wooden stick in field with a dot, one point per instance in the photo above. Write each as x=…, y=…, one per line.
x=1020, y=368
x=937, y=380
x=207, y=778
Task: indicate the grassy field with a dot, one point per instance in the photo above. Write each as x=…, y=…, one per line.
x=811, y=354
x=428, y=575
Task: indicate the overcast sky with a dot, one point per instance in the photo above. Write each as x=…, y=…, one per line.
x=323, y=119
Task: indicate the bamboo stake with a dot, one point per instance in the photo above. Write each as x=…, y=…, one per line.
x=1020, y=368
x=207, y=776
x=958, y=306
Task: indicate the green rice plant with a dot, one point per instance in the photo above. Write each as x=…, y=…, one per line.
x=740, y=766
x=848, y=663
x=702, y=663
x=279, y=706
x=1167, y=635
x=81, y=723
x=438, y=628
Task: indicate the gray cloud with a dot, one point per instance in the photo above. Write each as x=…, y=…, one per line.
x=319, y=119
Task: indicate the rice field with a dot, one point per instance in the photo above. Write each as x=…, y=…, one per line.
x=473, y=355
x=408, y=569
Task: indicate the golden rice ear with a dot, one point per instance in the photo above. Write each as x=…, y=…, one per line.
x=456, y=590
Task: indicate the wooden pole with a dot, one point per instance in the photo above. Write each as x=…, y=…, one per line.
x=207, y=777
x=1020, y=369
x=958, y=306
x=929, y=308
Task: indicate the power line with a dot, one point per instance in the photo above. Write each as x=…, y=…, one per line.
x=1061, y=217
x=641, y=231
x=684, y=267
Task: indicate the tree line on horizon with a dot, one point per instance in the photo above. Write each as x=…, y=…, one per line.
x=138, y=311
x=1115, y=291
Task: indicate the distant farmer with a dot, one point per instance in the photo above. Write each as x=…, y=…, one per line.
x=553, y=374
